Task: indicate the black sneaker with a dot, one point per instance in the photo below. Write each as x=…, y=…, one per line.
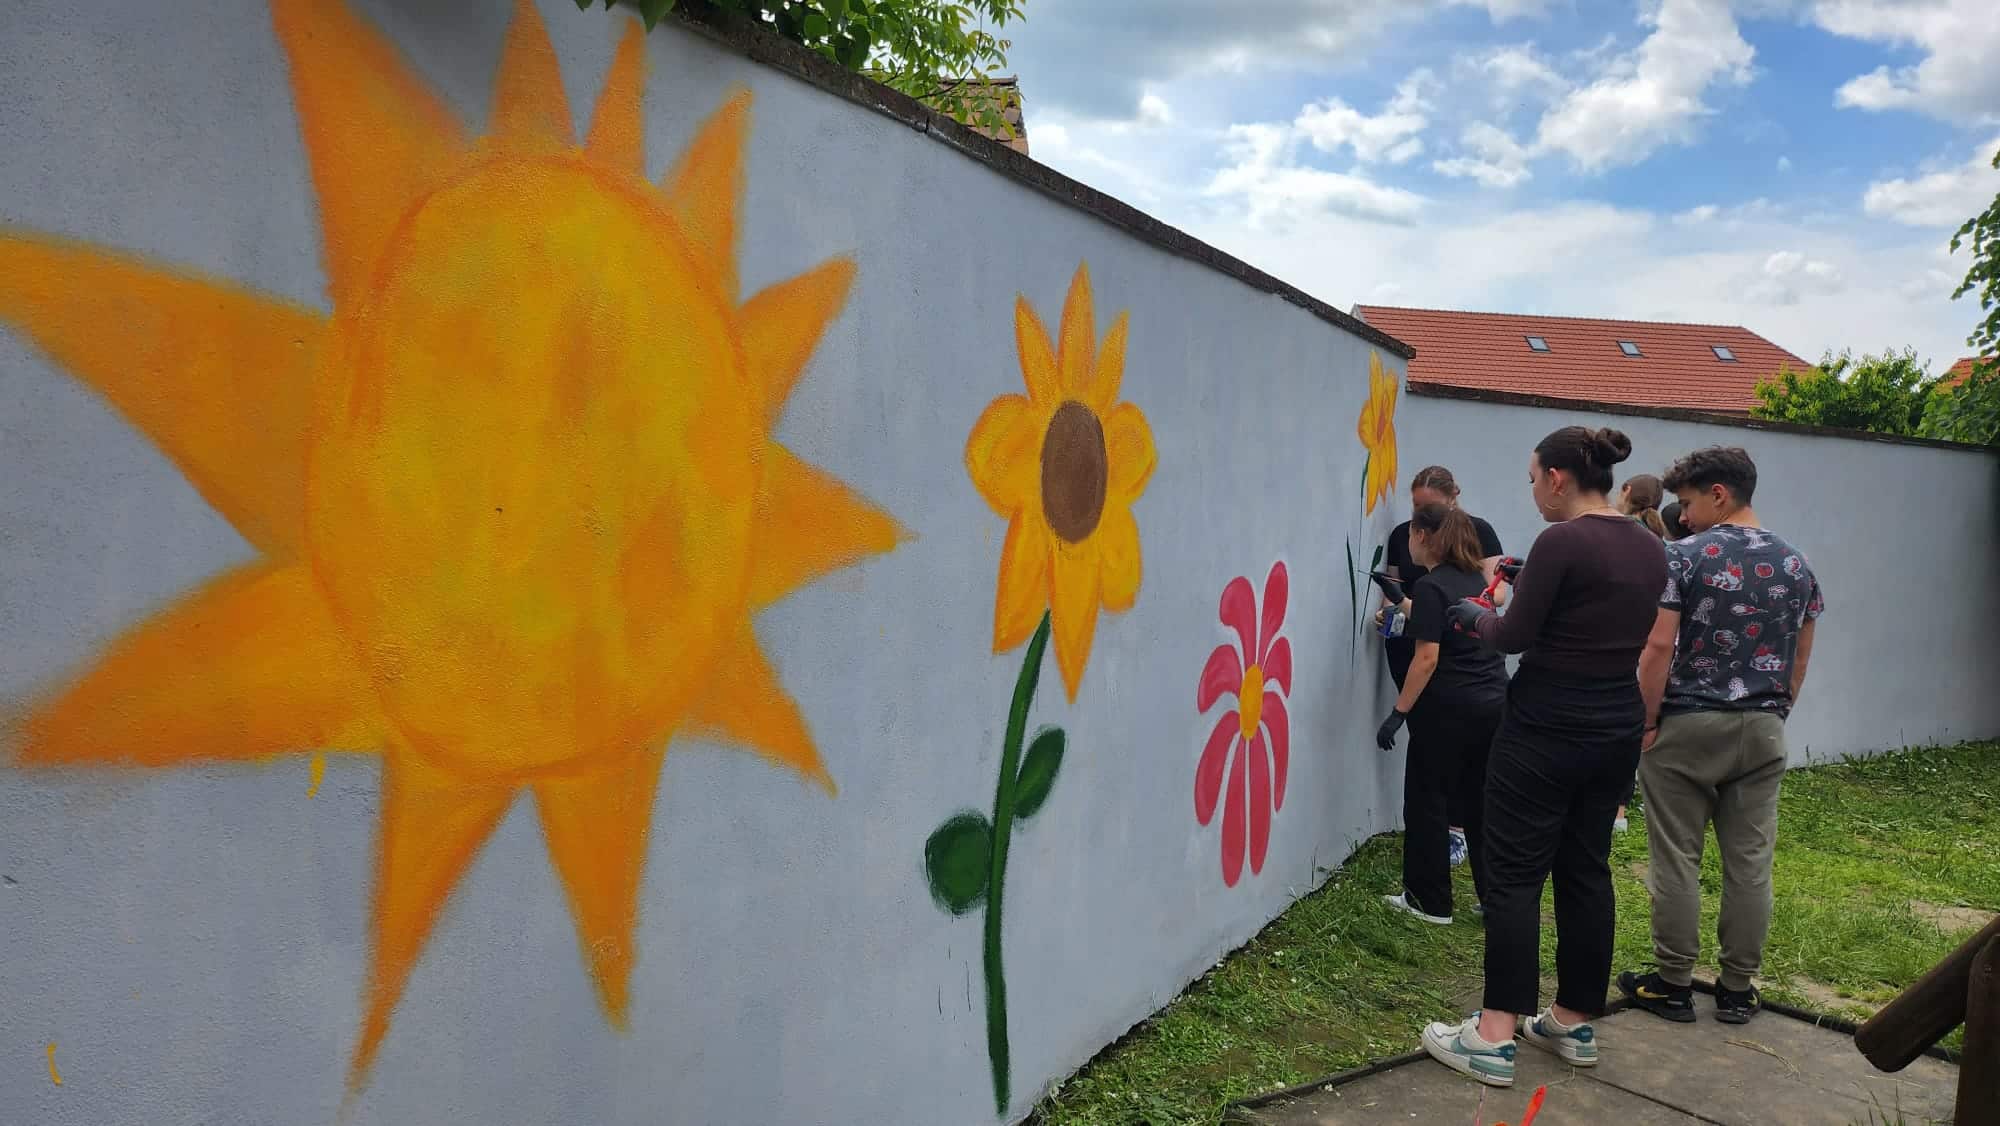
x=1652, y=993
x=1737, y=1006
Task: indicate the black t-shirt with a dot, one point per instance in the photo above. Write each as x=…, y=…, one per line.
x=1468, y=673
x=1399, y=650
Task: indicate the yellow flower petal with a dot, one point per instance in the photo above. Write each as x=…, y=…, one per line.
x=1075, y=354
x=1003, y=453
x=1118, y=558
x=1103, y=389
x=1022, y=592
x=1038, y=360
x=1128, y=447
x=1073, y=602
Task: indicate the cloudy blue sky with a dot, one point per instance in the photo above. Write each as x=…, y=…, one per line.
x=1796, y=166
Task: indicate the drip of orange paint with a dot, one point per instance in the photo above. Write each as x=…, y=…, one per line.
x=317, y=774
x=54, y=1075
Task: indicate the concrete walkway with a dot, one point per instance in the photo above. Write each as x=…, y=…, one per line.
x=1775, y=1071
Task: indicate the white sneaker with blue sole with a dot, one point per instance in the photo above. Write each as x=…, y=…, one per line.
x=1458, y=1047
x=1576, y=1045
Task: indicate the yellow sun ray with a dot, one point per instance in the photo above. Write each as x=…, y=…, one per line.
x=782, y=326
x=828, y=526
x=247, y=667
x=219, y=379
x=596, y=828
x=746, y=705
x=432, y=826
x=377, y=138
x=529, y=110
x=617, y=136
x=707, y=185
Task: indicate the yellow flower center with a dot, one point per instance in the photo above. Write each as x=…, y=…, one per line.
x=1075, y=469
x=1250, y=701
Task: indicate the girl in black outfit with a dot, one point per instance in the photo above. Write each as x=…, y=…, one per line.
x=1564, y=758
x=1451, y=699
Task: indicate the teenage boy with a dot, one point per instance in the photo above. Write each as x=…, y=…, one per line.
x=1720, y=673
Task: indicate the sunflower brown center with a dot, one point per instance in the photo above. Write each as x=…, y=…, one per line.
x=1074, y=470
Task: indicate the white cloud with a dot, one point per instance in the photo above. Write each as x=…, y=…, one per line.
x=1497, y=160
x=1513, y=70
x=1789, y=275
x=1652, y=96
x=1154, y=111
x=1957, y=78
x=1392, y=135
x=1702, y=214
x=1940, y=199
x=1784, y=164
x=1272, y=185
x=1501, y=11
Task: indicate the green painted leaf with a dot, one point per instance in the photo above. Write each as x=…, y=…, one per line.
x=583, y=5
x=1365, y=463
x=1038, y=771
x=958, y=859
x=1377, y=564
x=652, y=10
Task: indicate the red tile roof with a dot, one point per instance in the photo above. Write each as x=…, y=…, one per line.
x=1676, y=366
x=1959, y=372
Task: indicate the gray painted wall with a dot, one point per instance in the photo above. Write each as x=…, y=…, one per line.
x=1900, y=536
x=194, y=941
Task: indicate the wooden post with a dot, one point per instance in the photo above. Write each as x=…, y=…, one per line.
x=1927, y=1011
x=1979, y=1070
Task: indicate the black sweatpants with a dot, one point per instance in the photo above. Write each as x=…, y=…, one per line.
x=1444, y=781
x=1563, y=760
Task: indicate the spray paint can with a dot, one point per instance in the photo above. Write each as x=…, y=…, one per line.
x=1393, y=621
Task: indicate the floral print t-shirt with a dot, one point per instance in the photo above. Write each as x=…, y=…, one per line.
x=1743, y=595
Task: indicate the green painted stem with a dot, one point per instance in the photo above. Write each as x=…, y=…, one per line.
x=1003, y=828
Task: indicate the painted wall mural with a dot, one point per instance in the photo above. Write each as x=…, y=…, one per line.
x=1064, y=465
x=1376, y=426
x=1251, y=745
x=517, y=500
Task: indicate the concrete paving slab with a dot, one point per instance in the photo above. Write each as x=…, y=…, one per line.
x=1775, y=1071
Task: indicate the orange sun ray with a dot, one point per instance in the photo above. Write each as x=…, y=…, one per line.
x=530, y=109
x=432, y=826
x=218, y=378
x=377, y=138
x=617, y=130
x=827, y=526
x=782, y=326
x=596, y=828
x=244, y=668
x=746, y=706
x=707, y=185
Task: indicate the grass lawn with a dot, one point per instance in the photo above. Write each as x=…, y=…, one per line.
x=1882, y=868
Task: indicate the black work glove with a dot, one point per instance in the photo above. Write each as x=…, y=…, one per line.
x=1391, y=589
x=1465, y=615
x=1510, y=567
x=1385, y=736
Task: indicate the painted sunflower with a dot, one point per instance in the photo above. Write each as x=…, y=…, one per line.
x=1377, y=427
x=1064, y=464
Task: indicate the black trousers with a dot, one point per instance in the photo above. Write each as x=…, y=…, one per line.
x=1444, y=784
x=1563, y=760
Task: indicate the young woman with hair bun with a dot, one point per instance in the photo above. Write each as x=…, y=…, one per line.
x=1564, y=758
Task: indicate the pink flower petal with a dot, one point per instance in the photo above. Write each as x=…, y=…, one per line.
x=1278, y=666
x=1277, y=591
x=1222, y=676
x=1279, y=723
x=1232, y=822
x=1260, y=803
x=1208, y=773
x=1239, y=612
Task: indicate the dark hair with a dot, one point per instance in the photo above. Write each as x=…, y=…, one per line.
x=1452, y=537
x=1728, y=466
x=1435, y=477
x=1585, y=454
x=1642, y=502
x=1677, y=528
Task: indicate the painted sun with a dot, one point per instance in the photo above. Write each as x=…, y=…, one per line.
x=516, y=499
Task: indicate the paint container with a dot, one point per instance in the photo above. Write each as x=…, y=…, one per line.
x=1393, y=621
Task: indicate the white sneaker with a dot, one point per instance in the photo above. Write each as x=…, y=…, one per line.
x=1458, y=1047
x=1401, y=903
x=1577, y=1045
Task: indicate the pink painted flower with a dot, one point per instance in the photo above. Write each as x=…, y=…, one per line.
x=1251, y=743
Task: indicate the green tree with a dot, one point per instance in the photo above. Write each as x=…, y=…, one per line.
x=938, y=51
x=1887, y=393
x=1970, y=412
